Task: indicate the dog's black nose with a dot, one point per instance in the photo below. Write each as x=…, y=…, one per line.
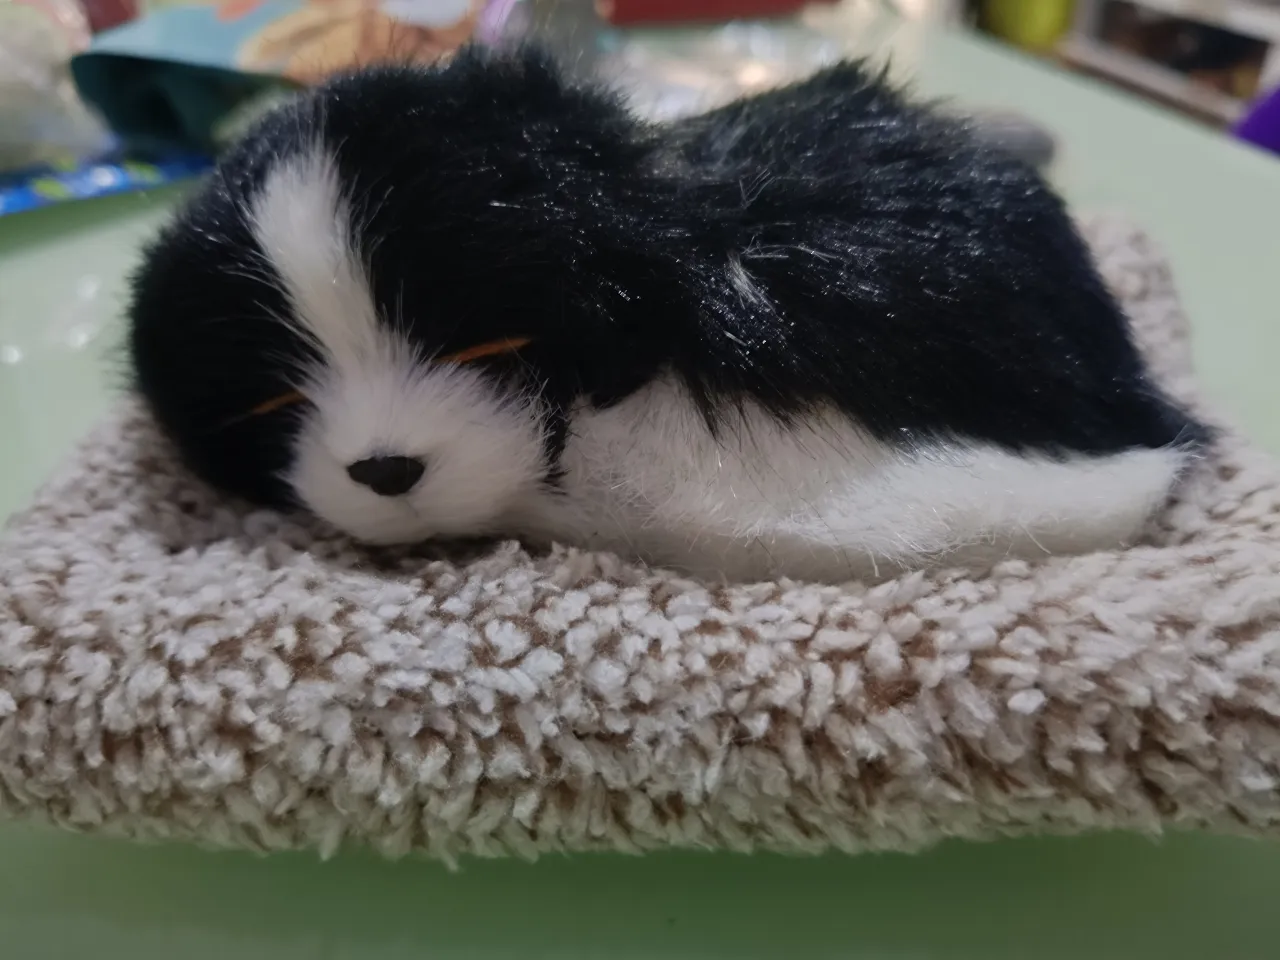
x=388, y=476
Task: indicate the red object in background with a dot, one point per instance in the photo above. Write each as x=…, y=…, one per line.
x=105, y=14
x=235, y=9
x=622, y=12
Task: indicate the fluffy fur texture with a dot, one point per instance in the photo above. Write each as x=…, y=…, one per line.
x=173, y=666
x=822, y=332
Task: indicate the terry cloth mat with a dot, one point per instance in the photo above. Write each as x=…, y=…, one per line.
x=174, y=667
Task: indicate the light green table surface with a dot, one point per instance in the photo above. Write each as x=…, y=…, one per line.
x=1216, y=209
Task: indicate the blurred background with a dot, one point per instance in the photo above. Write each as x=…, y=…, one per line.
x=1212, y=59
x=101, y=96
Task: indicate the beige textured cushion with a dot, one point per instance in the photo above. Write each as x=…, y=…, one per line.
x=171, y=666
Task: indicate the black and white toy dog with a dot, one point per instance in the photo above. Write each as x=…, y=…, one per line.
x=822, y=332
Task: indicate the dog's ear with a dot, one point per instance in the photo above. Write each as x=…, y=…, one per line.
x=1017, y=135
x=581, y=239
x=496, y=198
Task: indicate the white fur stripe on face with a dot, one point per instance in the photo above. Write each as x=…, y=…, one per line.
x=370, y=393
x=303, y=224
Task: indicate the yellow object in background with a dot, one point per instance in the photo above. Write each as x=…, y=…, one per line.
x=1031, y=24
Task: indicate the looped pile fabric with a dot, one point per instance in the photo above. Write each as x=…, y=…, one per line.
x=173, y=666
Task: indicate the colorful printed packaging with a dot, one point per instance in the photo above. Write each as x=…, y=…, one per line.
x=170, y=79
x=71, y=179
x=178, y=83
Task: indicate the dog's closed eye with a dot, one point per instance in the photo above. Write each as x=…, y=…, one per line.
x=480, y=351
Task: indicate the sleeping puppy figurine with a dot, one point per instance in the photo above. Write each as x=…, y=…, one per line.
x=822, y=332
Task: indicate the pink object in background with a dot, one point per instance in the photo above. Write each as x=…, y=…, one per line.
x=626, y=12
x=105, y=14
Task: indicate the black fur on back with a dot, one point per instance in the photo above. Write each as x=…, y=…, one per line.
x=827, y=244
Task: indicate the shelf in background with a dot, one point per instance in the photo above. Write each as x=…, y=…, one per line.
x=1257, y=20
x=1167, y=84
x=1248, y=17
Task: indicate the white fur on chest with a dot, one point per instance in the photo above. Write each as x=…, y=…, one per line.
x=820, y=499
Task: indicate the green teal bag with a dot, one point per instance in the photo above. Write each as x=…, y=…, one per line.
x=186, y=77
